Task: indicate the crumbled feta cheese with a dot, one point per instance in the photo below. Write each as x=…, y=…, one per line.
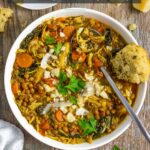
x=48, y=88
x=46, y=109
x=63, y=48
x=62, y=104
x=89, y=77
x=46, y=74
x=55, y=72
x=62, y=34
x=81, y=111
x=45, y=60
x=70, y=117
x=103, y=94
x=89, y=89
x=64, y=109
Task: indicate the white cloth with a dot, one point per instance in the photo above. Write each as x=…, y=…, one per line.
x=11, y=138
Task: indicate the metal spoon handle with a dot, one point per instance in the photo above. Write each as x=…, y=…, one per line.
x=126, y=104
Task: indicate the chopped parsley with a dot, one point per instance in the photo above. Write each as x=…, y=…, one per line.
x=50, y=40
x=61, y=89
x=75, y=84
x=73, y=100
x=88, y=126
x=57, y=48
x=116, y=147
x=62, y=77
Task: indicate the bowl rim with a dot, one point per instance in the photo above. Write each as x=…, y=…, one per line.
x=21, y=119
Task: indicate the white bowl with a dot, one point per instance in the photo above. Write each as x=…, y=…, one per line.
x=11, y=58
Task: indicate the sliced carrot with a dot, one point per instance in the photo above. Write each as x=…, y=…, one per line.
x=97, y=62
x=49, y=81
x=100, y=74
x=75, y=55
x=42, y=132
x=45, y=125
x=59, y=115
x=68, y=31
x=82, y=57
x=60, y=19
x=15, y=87
x=24, y=60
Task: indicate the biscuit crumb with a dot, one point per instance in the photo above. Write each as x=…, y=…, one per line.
x=132, y=27
x=5, y=14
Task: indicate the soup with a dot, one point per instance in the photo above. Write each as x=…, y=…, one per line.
x=57, y=83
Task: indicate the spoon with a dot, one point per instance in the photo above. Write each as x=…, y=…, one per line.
x=122, y=98
x=126, y=104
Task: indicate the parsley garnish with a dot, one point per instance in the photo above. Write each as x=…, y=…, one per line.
x=62, y=77
x=116, y=147
x=88, y=126
x=61, y=89
x=73, y=100
x=75, y=85
x=57, y=48
x=50, y=40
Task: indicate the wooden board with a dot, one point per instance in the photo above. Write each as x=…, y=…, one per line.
x=129, y=140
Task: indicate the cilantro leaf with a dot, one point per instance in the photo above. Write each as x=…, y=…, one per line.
x=116, y=147
x=75, y=85
x=50, y=40
x=62, y=77
x=73, y=100
x=61, y=89
x=88, y=126
x=57, y=48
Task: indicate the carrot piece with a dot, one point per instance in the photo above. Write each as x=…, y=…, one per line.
x=42, y=132
x=59, y=115
x=48, y=81
x=68, y=31
x=60, y=19
x=75, y=55
x=24, y=60
x=100, y=74
x=15, y=87
x=97, y=62
x=82, y=57
x=45, y=125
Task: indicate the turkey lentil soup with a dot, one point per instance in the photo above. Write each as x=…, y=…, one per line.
x=57, y=83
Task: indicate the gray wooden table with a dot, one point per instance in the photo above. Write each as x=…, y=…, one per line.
x=129, y=140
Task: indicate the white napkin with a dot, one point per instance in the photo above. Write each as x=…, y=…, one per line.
x=11, y=138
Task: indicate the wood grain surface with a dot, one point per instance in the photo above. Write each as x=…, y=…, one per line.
x=130, y=139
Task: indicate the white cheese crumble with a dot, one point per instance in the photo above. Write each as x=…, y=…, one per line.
x=48, y=88
x=70, y=117
x=81, y=112
x=55, y=72
x=62, y=34
x=46, y=74
x=89, y=77
x=45, y=60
